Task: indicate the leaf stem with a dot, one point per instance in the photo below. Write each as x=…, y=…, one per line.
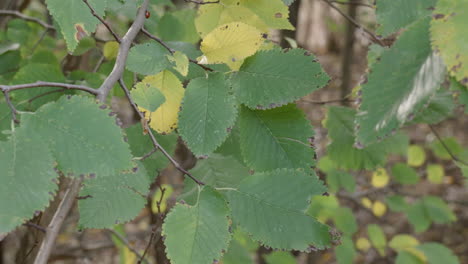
x=93, y=12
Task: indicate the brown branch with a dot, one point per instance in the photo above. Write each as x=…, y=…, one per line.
x=453, y=156
x=36, y=226
x=350, y=3
x=127, y=244
x=11, y=106
x=147, y=155
x=9, y=88
x=93, y=12
x=153, y=138
x=54, y=226
x=326, y=101
x=376, y=39
x=124, y=49
x=201, y=2
x=171, y=50
x=27, y=18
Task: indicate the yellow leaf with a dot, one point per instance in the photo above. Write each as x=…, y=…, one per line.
x=363, y=244
x=416, y=156
x=379, y=208
x=111, y=49
x=128, y=256
x=273, y=12
x=230, y=43
x=380, y=178
x=164, y=119
x=402, y=241
x=168, y=190
x=366, y=202
x=435, y=173
x=211, y=16
x=181, y=62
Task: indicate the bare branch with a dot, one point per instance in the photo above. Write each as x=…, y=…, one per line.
x=356, y=24
x=153, y=138
x=124, y=48
x=171, y=50
x=93, y=12
x=27, y=18
x=9, y=88
x=53, y=228
x=201, y=2
x=350, y=3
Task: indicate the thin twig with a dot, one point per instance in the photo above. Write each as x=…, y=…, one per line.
x=127, y=244
x=11, y=106
x=153, y=138
x=326, y=101
x=171, y=50
x=124, y=49
x=350, y=3
x=9, y=88
x=27, y=18
x=54, y=226
x=356, y=24
x=93, y=12
x=453, y=156
x=99, y=63
x=201, y=2
x=147, y=155
x=36, y=226
x=46, y=93
x=41, y=38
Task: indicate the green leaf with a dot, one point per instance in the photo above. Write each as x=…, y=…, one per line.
x=270, y=206
x=345, y=221
x=31, y=73
x=435, y=173
x=208, y=113
x=389, y=100
x=377, y=238
x=75, y=18
x=345, y=252
x=397, y=203
x=76, y=124
x=402, y=242
x=148, y=58
x=407, y=258
x=337, y=179
x=27, y=178
x=231, y=146
x=448, y=28
x=276, y=138
x=342, y=150
x=279, y=257
x=440, y=151
x=404, y=174
x=397, y=14
x=113, y=199
x=141, y=145
x=440, y=107
x=273, y=78
x=197, y=234
x=461, y=93
x=237, y=254
x=178, y=26
x=427, y=210
x=438, y=253
x=5, y=119
x=218, y=172
x=84, y=46
x=147, y=96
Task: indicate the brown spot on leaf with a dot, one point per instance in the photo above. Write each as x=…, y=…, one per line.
x=464, y=81
x=278, y=15
x=438, y=16
x=80, y=32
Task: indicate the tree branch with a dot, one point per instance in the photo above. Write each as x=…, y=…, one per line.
x=153, y=138
x=93, y=12
x=376, y=39
x=27, y=18
x=53, y=228
x=201, y=2
x=9, y=88
x=124, y=48
x=352, y=2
